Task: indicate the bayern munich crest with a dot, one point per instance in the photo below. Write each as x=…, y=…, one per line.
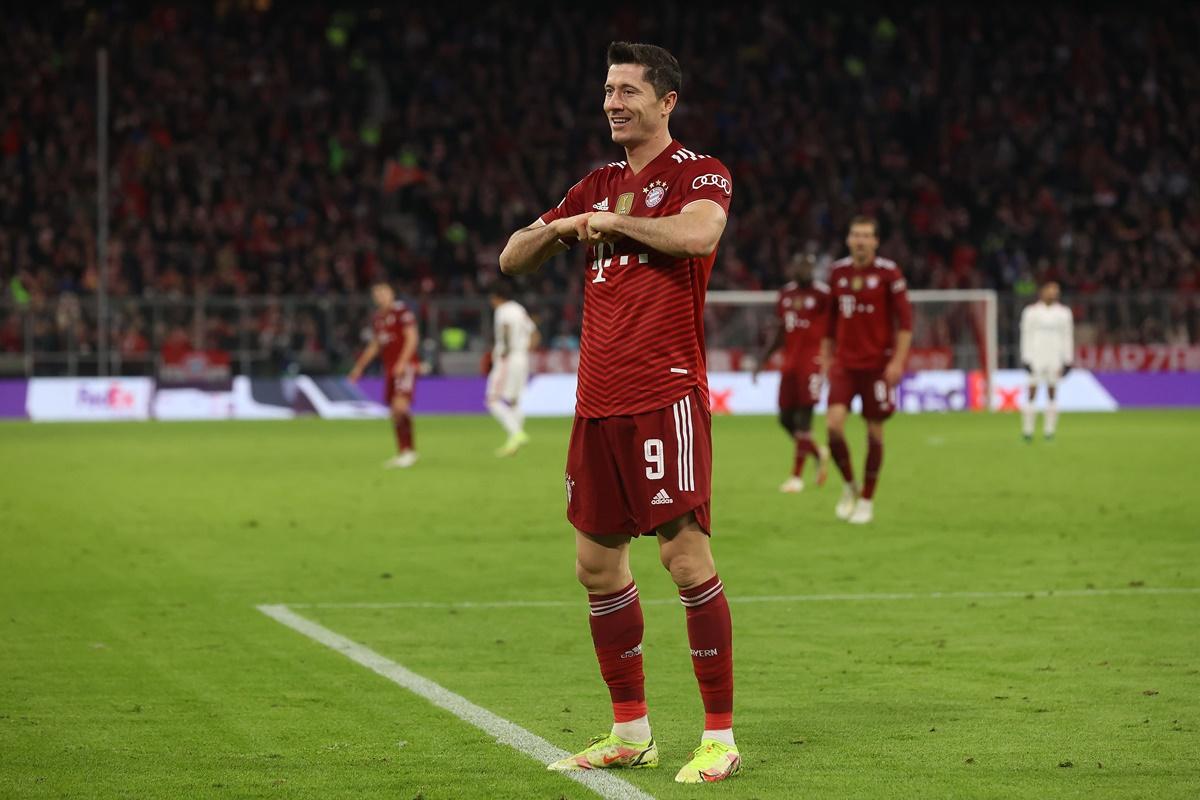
x=655, y=193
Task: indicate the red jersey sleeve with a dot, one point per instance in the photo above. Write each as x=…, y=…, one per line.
x=574, y=202
x=707, y=179
x=901, y=305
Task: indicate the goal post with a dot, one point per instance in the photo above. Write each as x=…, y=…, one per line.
x=953, y=329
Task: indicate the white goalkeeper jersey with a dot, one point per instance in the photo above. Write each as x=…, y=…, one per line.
x=1047, y=335
x=513, y=326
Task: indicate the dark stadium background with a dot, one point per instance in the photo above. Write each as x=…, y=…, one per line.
x=262, y=151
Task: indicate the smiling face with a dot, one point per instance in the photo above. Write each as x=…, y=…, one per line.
x=635, y=112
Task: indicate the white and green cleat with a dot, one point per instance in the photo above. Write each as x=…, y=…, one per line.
x=610, y=752
x=845, y=506
x=513, y=444
x=712, y=761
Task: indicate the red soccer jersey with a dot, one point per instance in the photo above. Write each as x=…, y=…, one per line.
x=804, y=312
x=389, y=325
x=869, y=304
x=642, y=344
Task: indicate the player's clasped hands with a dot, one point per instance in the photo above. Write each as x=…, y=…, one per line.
x=591, y=227
x=601, y=227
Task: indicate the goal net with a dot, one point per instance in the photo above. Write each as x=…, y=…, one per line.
x=954, y=348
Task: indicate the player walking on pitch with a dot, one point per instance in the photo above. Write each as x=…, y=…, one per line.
x=1047, y=351
x=640, y=457
x=870, y=332
x=515, y=336
x=394, y=337
x=803, y=311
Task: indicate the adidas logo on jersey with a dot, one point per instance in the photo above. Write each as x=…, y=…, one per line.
x=602, y=205
x=661, y=499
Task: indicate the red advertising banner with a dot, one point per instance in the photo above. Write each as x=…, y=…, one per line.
x=1138, y=358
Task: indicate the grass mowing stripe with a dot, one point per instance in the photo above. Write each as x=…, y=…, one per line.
x=781, y=598
x=602, y=783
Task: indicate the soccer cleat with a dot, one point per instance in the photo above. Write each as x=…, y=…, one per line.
x=1028, y=437
x=610, y=752
x=712, y=761
x=845, y=506
x=793, y=485
x=514, y=443
x=864, y=512
x=822, y=465
x=402, y=461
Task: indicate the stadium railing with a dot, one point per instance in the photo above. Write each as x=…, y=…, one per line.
x=259, y=335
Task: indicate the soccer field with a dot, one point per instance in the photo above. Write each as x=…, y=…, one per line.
x=921, y=656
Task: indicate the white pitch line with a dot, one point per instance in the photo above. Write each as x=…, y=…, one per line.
x=779, y=598
x=602, y=783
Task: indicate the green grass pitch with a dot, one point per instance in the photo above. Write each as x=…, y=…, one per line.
x=135, y=664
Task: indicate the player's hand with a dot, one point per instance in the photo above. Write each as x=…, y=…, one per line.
x=892, y=373
x=354, y=375
x=573, y=227
x=1066, y=370
x=601, y=227
x=1027, y=367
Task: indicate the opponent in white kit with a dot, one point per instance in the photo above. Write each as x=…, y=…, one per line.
x=515, y=336
x=1047, y=350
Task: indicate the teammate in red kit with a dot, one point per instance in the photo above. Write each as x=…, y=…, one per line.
x=640, y=456
x=394, y=335
x=803, y=311
x=870, y=332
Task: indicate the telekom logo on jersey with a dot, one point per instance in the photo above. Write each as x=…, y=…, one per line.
x=602, y=263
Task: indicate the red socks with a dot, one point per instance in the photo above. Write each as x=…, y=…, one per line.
x=874, y=464
x=617, y=634
x=804, y=448
x=841, y=456
x=710, y=634
x=617, y=627
x=404, y=432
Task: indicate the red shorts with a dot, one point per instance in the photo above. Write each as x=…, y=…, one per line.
x=399, y=382
x=799, y=388
x=878, y=399
x=630, y=475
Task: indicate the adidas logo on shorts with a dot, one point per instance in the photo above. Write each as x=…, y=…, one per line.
x=661, y=499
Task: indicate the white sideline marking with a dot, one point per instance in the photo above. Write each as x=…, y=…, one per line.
x=602, y=783
x=778, y=598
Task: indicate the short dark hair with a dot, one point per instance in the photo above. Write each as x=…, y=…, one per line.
x=662, y=68
x=863, y=219
x=501, y=288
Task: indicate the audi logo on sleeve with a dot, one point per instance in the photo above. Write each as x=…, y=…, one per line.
x=720, y=181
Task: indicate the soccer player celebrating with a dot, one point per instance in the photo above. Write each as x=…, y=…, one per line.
x=640, y=457
x=394, y=335
x=870, y=332
x=515, y=337
x=1047, y=350
x=803, y=311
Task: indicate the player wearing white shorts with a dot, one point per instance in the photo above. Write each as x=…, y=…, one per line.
x=515, y=336
x=1047, y=350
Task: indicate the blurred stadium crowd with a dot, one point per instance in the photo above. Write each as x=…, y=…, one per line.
x=304, y=152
